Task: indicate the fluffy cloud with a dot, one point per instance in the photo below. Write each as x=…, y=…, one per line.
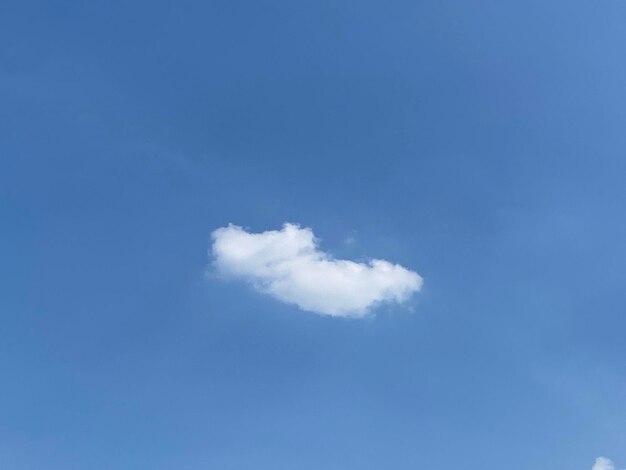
x=602, y=463
x=289, y=265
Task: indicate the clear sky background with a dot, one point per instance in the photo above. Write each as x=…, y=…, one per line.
x=479, y=143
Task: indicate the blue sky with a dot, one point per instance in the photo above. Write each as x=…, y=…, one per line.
x=480, y=144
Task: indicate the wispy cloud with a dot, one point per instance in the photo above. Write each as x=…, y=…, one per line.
x=288, y=265
x=602, y=463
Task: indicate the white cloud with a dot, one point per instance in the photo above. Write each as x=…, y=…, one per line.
x=288, y=265
x=602, y=463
